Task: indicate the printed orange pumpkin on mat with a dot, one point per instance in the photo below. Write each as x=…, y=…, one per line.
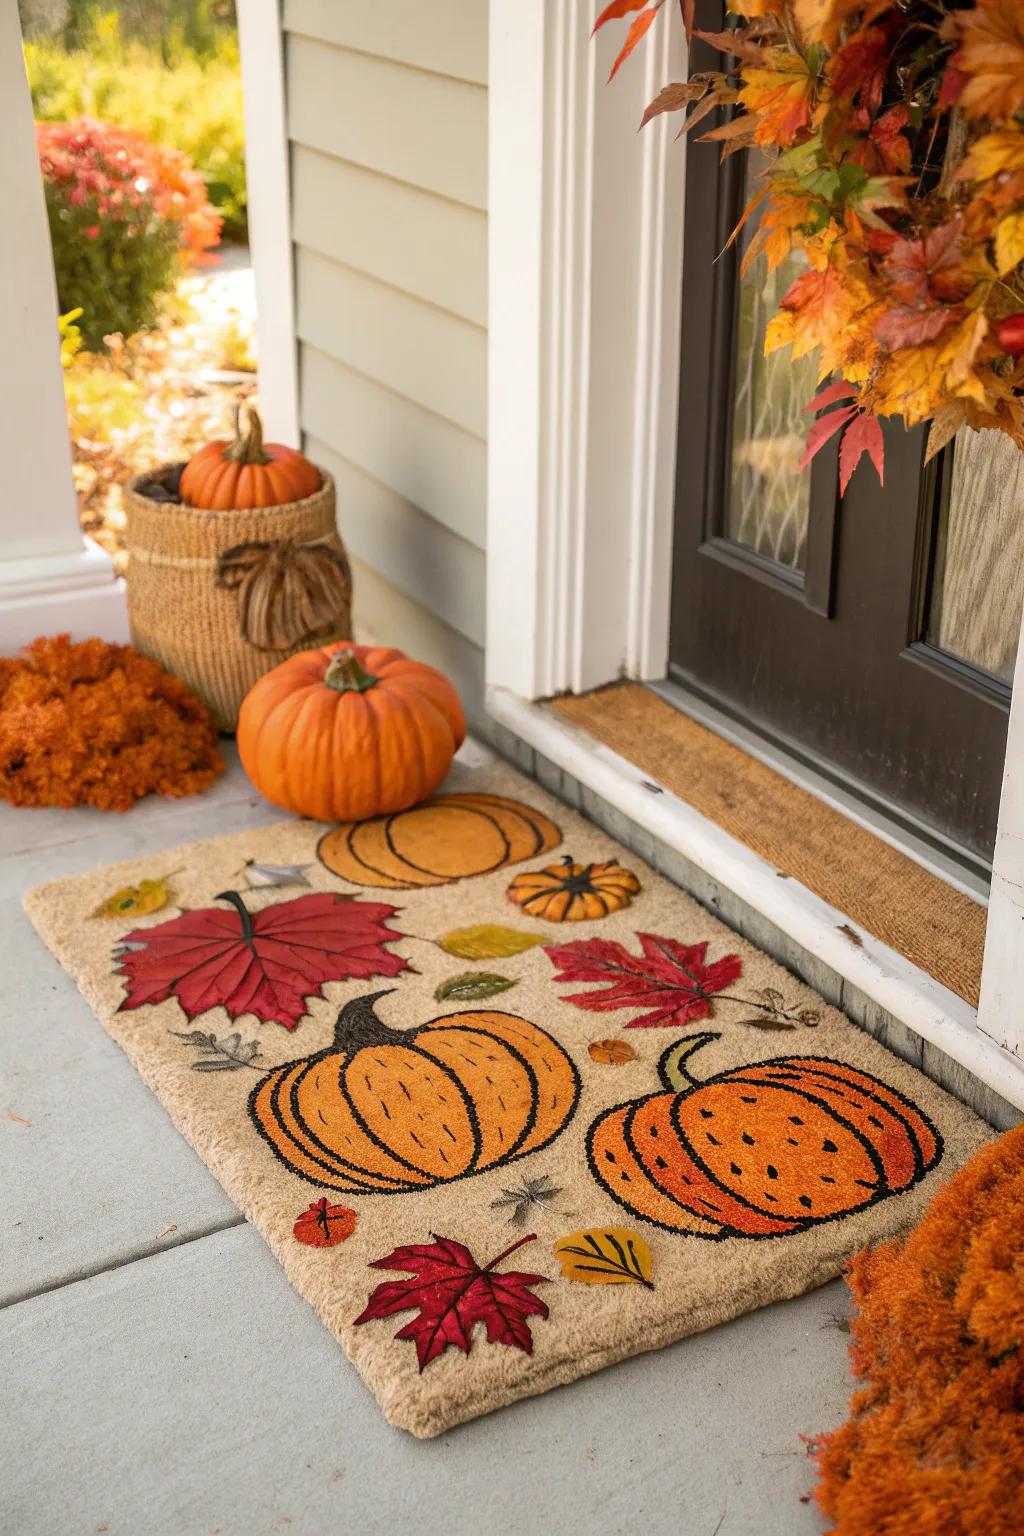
x=449, y=837
x=759, y=1150
x=384, y=1110
x=574, y=893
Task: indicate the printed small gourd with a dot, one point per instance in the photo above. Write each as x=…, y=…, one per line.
x=347, y=732
x=759, y=1150
x=247, y=472
x=382, y=1111
x=574, y=893
x=450, y=837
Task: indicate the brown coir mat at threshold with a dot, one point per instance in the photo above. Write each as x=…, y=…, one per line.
x=934, y=925
x=506, y=1105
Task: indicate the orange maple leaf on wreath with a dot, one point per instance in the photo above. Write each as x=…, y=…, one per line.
x=991, y=57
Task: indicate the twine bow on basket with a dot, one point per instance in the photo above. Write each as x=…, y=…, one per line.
x=287, y=592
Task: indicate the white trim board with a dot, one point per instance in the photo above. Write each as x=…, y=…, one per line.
x=880, y=973
x=267, y=165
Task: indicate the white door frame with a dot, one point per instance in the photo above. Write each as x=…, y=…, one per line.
x=584, y=311
x=585, y=220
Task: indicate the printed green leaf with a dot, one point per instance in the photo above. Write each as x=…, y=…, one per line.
x=471, y=985
x=487, y=941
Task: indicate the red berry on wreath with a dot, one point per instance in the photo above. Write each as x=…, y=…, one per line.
x=1010, y=334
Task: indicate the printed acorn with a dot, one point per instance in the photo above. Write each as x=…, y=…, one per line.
x=759, y=1150
x=1010, y=334
x=383, y=1110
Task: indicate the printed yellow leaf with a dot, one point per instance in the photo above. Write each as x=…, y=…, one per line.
x=1010, y=243
x=606, y=1256
x=487, y=941
x=137, y=900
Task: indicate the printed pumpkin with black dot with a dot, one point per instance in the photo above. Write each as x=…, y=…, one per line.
x=760, y=1150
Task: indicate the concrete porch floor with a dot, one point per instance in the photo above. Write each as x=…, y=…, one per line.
x=170, y=1383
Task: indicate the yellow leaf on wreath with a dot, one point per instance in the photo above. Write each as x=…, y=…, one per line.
x=1002, y=150
x=136, y=900
x=487, y=941
x=1010, y=243
x=606, y=1256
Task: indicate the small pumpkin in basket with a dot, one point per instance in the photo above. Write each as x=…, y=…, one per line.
x=568, y=892
x=342, y=733
x=759, y=1150
x=247, y=472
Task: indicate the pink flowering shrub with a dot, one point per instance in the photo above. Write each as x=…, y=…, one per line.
x=124, y=215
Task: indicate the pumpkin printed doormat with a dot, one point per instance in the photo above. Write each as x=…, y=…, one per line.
x=506, y=1105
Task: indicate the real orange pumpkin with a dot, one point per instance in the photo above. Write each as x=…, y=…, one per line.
x=347, y=732
x=448, y=837
x=759, y=1150
x=384, y=1110
x=247, y=472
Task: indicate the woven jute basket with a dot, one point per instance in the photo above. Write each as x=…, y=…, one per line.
x=219, y=598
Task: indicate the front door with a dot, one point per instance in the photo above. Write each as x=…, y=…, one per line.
x=872, y=635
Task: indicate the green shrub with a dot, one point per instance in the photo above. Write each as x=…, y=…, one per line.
x=172, y=92
x=124, y=214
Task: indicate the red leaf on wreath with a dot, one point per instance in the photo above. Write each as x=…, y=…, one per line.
x=267, y=963
x=862, y=436
x=670, y=979
x=451, y=1293
x=323, y=1225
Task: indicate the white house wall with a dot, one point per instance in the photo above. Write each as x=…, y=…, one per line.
x=386, y=109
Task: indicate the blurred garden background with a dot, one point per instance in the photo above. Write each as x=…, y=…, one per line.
x=138, y=107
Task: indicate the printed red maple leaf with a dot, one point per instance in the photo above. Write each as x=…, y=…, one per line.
x=670, y=979
x=267, y=963
x=451, y=1294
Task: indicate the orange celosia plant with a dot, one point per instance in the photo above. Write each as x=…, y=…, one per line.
x=896, y=135
x=100, y=725
x=935, y=1440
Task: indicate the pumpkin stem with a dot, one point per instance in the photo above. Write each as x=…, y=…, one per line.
x=358, y=1025
x=346, y=674
x=672, y=1066
x=247, y=447
x=240, y=907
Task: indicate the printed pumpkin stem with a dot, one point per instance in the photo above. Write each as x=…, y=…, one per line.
x=359, y=1025
x=672, y=1067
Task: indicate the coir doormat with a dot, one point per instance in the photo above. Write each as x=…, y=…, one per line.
x=506, y=1105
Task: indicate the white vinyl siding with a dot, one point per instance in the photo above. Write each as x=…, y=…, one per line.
x=387, y=123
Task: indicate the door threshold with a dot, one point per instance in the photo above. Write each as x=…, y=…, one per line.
x=955, y=866
x=884, y=991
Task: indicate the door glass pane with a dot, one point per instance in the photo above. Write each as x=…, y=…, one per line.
x=769, y=497
x=978, y=590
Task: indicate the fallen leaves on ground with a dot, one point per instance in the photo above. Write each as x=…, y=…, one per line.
x=157, y=397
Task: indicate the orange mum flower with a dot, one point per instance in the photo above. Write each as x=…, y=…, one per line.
x=100, y=725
